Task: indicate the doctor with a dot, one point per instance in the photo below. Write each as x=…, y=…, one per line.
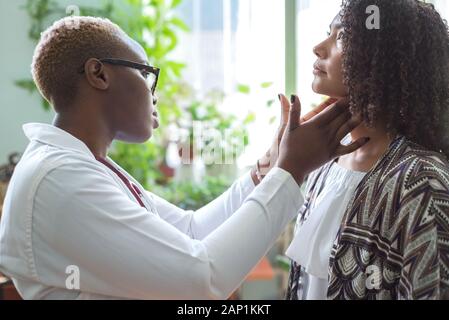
x=71, y=211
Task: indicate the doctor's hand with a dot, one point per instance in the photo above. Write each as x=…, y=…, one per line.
x=307, y=145
x=269, y=159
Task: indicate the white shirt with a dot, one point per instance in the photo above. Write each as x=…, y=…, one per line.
x=64, y=208
x=313, y=240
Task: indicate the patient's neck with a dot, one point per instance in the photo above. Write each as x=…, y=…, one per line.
x=366, y=157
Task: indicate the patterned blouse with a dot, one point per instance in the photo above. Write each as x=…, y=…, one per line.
x=393, y=241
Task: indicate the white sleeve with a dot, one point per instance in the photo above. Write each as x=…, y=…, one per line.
x=198, y=224
x=122, y=250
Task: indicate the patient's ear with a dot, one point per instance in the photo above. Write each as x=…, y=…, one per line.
x=96, y=74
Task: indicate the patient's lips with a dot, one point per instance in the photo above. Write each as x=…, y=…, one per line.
x=318, y=70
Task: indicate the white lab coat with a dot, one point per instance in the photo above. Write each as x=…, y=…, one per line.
x=64, y=208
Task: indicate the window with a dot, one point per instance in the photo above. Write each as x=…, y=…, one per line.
x=313, y=20
x=237, y=44
x=442, y=6
x=242, y=42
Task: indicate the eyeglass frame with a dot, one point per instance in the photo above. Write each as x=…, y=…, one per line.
x=134, y=65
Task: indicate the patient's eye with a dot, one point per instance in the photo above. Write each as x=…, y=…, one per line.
x=339, y=41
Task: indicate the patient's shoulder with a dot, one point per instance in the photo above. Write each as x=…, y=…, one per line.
x=420, y=161
x=414, y=167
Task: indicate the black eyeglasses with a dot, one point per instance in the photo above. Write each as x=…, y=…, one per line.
x=151, y=74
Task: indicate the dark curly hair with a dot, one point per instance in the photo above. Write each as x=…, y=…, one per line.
x=398, y=75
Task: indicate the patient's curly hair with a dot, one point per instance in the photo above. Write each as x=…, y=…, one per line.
x=398, y=75
x=65, y=47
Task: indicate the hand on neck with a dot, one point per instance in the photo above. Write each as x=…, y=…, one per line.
x=379, y=140
x=367, y=156
x=364, y=158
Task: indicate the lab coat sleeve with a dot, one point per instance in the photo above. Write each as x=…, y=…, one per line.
x=198, y=224
x=122, y=250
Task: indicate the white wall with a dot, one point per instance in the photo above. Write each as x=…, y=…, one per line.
x=17, y=106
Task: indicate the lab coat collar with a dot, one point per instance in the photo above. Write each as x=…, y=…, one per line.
x=51, y=135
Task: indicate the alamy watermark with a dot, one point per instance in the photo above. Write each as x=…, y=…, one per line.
x=373, y=20
x=72, y=11
x=373, y=280
x=72, y=281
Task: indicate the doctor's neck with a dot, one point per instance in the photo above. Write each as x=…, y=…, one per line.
x=86, y=126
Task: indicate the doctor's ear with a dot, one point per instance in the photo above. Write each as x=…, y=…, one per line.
x=96, y=74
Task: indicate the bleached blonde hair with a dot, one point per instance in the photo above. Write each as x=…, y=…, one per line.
x=65, y=47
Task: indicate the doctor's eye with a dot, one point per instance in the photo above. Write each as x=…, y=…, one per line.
x=145, y=74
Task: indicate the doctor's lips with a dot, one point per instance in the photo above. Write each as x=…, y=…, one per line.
x=155, y=118
x=318, y=69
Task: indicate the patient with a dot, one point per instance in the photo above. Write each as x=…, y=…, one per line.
x=375, y=223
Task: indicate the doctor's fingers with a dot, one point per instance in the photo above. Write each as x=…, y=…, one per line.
x=318, y=109
x=336, y=124
x=346, y=127
x=342, y=150
x=330, y=113
x=285, y=109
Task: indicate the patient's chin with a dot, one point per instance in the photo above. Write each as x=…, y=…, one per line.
x=328, y=90
x=319, y=89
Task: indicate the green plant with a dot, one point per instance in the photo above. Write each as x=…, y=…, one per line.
x=231, y=131
x=189, y=195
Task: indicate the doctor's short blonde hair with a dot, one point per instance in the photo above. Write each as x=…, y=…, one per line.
x=63, y=50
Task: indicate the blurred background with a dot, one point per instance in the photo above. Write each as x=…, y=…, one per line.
x=223, y=63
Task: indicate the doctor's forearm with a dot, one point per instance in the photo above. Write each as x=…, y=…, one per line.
x=237, y=246
x=208, y=218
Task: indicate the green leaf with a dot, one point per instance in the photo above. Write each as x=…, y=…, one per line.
x=249, y=118
x=265, y=85
x=26, y=84
x=175, y=3
x=270, y=103
x=179, y=23
x=283, y=262
x=243, y=88
x=176, y=67
x=45, y=104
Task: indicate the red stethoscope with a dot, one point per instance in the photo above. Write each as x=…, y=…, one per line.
x=130, y=185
